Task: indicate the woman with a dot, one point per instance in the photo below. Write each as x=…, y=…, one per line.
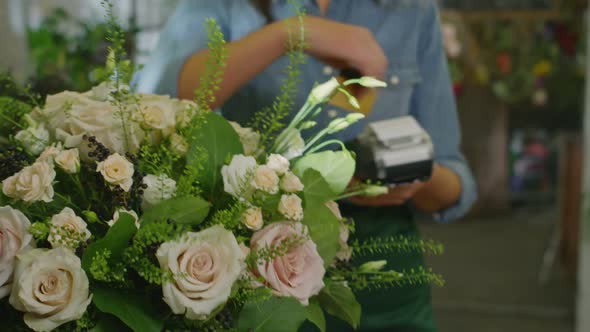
x=395, y=40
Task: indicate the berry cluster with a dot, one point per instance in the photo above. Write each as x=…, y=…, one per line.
x=12, y=161
x=97, y=149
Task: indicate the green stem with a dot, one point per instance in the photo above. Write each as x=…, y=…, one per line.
x=326, y=143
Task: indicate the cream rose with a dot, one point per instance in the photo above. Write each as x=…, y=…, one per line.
x=50, y=287
x=33, y=183
x=14, y=239
x=290, y=207
x=50, y=152
x=117, y=171
x=67, y=230
x=237, y=175
x=345, y=252
x=117, y=215
x=157, y=112
x=291, y=183
x=159, y=188
x=69, y=116
x=248, y=137
x=69, y=161
x=278, y=163
x=204, y=265
x=252, y=218
x=266, y=179
x=300, y=272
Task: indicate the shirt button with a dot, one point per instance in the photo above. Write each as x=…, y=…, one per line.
x=328, y=70
x=394, y=80
x=332, y=114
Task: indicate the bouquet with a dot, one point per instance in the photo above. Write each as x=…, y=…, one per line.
x=141, y=212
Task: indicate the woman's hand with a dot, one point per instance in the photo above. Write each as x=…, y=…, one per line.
x=344, y=46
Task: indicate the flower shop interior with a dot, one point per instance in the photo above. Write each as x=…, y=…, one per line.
x=520, y=260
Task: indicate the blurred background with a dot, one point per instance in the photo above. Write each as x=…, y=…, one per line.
x=521, y=260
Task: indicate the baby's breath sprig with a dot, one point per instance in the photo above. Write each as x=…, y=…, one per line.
x=394, y=244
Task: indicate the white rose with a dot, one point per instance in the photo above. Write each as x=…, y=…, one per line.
x=67, y=230
x=291, y=183
x=278, y=163
x=290, y=207
x=33, y=139
x=204, y=266
x=237, y=175
x=117, y=215
x=252, y=218
x=248, y=137
x=14, y=239
x=50, y=287
x=294, y=144
x=157, y=112
x=69, y=160
x=117, y=171
x=178, y=144
x=50, y=152
x=69, y=116
x=185, y=111
x=266, y=179
x=102, y=92
x=33, y=183
x=159, y=188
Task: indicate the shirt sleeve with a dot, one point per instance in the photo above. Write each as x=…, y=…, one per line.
x=433, y=105
x=184, y=34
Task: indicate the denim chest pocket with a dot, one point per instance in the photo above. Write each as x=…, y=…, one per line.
x=395, y=100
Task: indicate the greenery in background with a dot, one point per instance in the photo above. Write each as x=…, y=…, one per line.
x=67, y=62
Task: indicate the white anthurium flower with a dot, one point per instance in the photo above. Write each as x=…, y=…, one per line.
x=117, y=170
x=159, y=188
x=117, y=215
x=50, y=287
x=14, y=240
x=238, y=175
x=204, y=266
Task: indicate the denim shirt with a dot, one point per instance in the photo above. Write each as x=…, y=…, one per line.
x=407, y=30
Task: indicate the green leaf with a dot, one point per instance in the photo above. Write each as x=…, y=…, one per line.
x=337, y=167
x=315, y=314
x=324, y=229
x=109, y=323
x=184, y=210
x=277, y=314
x=132, y=308
x=316, y=189
x=339, y=301
x=116, y=240
x=220, y=141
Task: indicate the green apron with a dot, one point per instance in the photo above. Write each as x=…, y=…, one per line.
x=400, y=309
